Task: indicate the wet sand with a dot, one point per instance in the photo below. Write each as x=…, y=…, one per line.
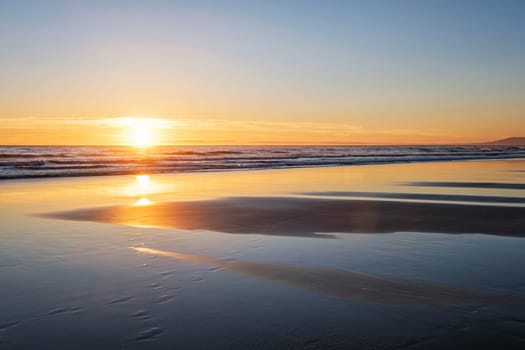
x=238, y=260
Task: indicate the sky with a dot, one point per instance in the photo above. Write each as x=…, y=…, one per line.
x=262, y=72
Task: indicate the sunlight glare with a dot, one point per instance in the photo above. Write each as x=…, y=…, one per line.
x=142, y=202
x=142, y=137
x=143, y=183
x=141, y=131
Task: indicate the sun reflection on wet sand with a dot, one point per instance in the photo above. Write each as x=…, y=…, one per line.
x=143, y=183
x=141, y=186
x=143, y=189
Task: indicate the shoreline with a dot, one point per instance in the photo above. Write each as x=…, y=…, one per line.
x=235, y=170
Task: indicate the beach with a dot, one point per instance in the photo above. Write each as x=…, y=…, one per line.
x=410, y=255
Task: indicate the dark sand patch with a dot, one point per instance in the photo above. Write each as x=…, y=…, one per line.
x=121, y=300
x=495, y=185
x=348, y=284
x=6, y=325
x=310, y=217
x=422, y=196
x=64, y=310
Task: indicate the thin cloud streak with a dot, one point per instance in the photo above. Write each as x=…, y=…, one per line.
x=219, y=129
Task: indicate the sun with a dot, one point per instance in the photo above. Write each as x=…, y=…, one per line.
x=141, y=132
x=142, y=136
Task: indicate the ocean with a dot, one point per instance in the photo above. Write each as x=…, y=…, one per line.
x=62, y=161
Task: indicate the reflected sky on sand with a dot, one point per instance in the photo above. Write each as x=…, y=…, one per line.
x=348, y=284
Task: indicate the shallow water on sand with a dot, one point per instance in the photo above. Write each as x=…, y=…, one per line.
x=89, y=284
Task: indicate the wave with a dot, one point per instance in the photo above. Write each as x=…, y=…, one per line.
x=28, y=162
x=30, y=155
x=197, y=153
x=67, y=167
x=17, y=164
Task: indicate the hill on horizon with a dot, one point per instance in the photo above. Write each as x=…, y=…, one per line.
x=509, y=141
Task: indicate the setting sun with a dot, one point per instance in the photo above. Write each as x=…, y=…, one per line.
x=141, y=132
x=142, y=136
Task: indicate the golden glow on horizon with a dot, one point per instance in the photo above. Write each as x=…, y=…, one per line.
x=142, y=132
x=142, y=202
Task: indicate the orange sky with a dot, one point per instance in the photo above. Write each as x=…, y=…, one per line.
x=177, y=131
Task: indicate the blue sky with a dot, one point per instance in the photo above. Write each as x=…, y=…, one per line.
x=375, y=62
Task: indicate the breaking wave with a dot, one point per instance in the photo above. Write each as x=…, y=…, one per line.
x=58, y=161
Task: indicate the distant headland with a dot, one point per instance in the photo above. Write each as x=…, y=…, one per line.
x=509, y=141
